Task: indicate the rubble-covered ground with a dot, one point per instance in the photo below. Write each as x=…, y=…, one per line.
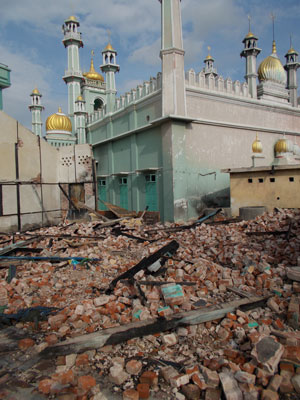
x=252, y=354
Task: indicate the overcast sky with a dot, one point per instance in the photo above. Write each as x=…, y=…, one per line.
x=31, y=41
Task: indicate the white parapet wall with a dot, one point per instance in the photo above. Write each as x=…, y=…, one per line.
x=140, y=93
x=211, y=83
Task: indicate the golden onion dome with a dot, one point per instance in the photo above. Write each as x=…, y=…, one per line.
x=291, y=51
x=80, y=98
x=257, y=146
x=271, y=69
x=284, y=146
x=208, y=57
x=249, y=35
x=109, y=47
x=35, y=91
x=92, y=74
x=58, y=122
x=72, y=18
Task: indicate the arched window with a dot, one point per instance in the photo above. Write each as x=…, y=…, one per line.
x=98, y=104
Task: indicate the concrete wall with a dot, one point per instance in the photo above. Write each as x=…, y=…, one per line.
x=27, y=166
x=30, y=170
x=278, y=188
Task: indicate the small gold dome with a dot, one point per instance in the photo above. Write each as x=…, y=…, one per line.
x=58, y=122
x=35, y=91
x=92, y=74
x=284, y=146
x=109, y=47
x=72, y=18
x=257, y=146
x=271, y=69
x=80, y=98
x=249, y=35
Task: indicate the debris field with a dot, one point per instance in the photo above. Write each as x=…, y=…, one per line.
x=124, y=310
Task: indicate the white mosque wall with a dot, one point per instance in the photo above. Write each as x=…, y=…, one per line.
x=242, y=113
x=134, y=96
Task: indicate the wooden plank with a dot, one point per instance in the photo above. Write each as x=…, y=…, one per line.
x=15, y=246
x=79, y=204
x=123, y=333
x=119, y=211
x=239, y=292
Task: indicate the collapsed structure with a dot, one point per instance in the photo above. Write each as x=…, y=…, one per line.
x=100, y=312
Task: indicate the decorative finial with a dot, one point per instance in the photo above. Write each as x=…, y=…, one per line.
x=249, y=19
x=109, y=35
x=209, y=49
x=59, y=110
x=92, y=53
x=273, y=17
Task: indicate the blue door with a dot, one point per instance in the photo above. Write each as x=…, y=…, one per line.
x=151, y=192
x=124, y=193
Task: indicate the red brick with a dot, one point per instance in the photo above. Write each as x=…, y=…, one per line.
x=45, y=386
x=65, y=378
x=25, y=344
x=85, y=383
x=149, y=377
x=82, y=360
x=131, y=395
x=143, y=390
x=284, y=366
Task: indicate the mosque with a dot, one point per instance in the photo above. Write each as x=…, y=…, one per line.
x=166, y=143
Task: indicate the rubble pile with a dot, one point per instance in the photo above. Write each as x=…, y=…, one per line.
x=208, y=312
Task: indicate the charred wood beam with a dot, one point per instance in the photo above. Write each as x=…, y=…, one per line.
x=145, y=263
x=123, y=333
x=117, y=231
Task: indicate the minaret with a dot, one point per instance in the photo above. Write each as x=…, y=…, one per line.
x=250, y=52
x=4, y=81
x=209, y=65
x=172, y=56
x=36, y=109
x=80, y=114
x=110, y=67
x=291, y=67
x=73, y=75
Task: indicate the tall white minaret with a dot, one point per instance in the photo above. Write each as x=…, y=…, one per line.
x=110, y=67
x=172, y=56
x=73, y=75
x=291, y=66
x=36, y=109
x=250, y=52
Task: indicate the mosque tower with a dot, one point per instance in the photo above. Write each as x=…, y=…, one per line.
x=291, y=67
x=250, y=52
x=110, y=67
x=36, y=109
x=73, y=75
x=209, y=65
x=80, y=114
x=172, y=56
